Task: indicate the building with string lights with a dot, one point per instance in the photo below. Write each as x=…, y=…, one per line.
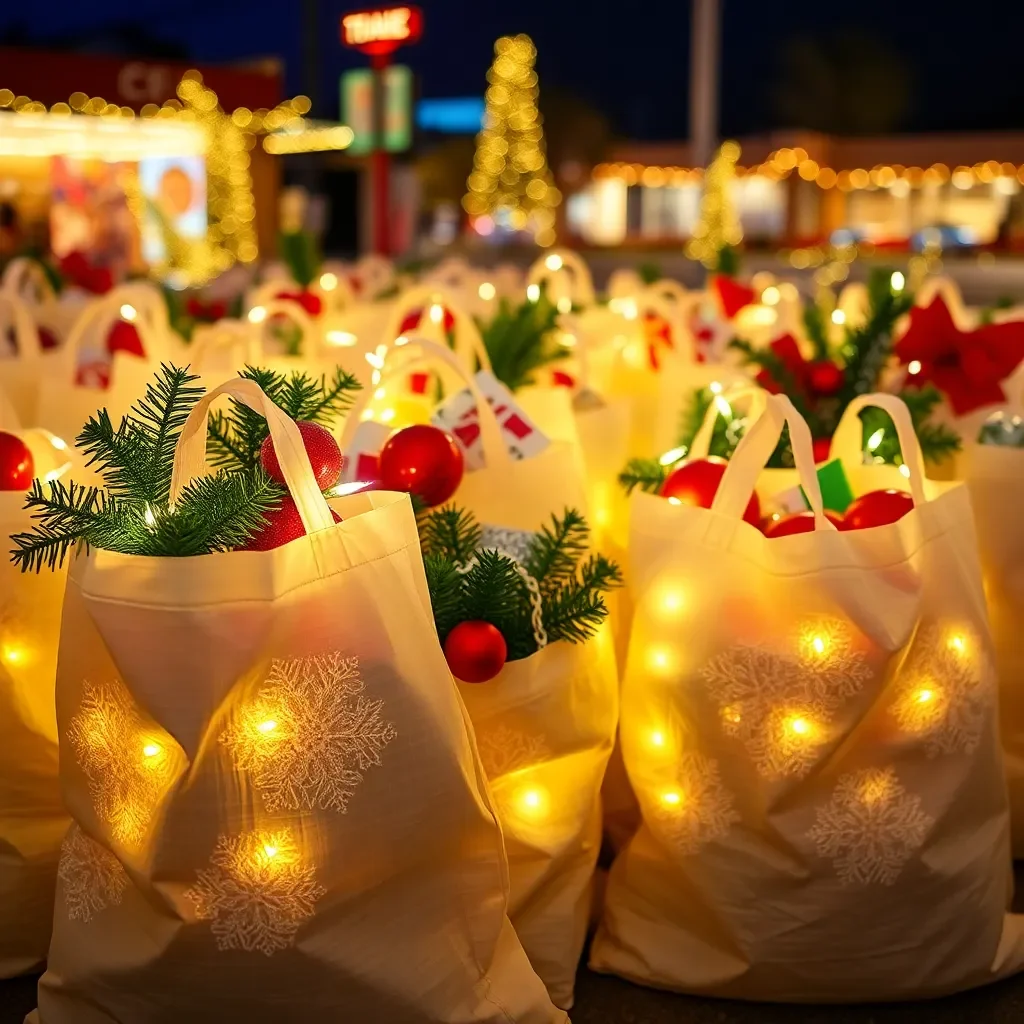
x=804, y=189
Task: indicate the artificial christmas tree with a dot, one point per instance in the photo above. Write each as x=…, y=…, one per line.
x=718, y=231
x=511, y=181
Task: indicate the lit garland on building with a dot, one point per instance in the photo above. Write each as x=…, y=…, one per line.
x=511, y=181
x=718, y=231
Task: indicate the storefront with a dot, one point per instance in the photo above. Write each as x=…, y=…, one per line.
x=804, y=189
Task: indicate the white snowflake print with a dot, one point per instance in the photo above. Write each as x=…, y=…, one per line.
x=779, y=701
x=256, y=892
x=945, y=694
x=91, y=876
x=697, y=809
x=870, y=828
x=504, y=750
x=310, y=733
x=513, y=543
x=128, y=766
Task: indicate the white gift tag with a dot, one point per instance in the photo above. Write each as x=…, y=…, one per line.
x=513, y=543
x=363, y=453
x=459, y=417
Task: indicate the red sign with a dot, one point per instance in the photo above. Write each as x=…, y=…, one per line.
x=382, y=29
x=52, y=78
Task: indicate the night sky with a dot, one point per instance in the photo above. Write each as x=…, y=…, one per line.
x=950, y=66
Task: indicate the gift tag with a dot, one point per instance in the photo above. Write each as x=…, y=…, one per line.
x=363, y=453
x=513, y=543
x=459, y=417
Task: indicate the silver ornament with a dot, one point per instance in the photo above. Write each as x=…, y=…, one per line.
x=1006, y=429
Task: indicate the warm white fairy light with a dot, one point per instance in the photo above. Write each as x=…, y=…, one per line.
x=533, y=292
x=486, y=291
x=771, y=296
x=328, y=282
x=553, y=262
x=898, y=281
x=128, y=312
x=257, y=314
x=341, y=339
x=914, y=367
x=875, y=439
x=838, y=317
x=673, y=455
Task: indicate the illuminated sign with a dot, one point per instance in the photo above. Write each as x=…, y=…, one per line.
x=462, y=116
x=382, y=30
x=357, y=108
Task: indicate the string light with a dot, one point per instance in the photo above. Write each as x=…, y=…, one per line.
x=257, y=314
x=486, y=291
x=771, y=296
x=898, y=282
x=554, y=262
x=128, y=312
x=672, y=798
x=510, y=179
x=328, y=282
x=533, y=292
x=914, y=367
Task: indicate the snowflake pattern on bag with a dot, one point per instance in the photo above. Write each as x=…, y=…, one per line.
x=504, y=750
x=256, y=892
x=946, y=692
x=91, y=877
x=513, y=543
x=870, y=828
x=698, y=809
x=127, y=764
x=779, y=703
x=310, y=733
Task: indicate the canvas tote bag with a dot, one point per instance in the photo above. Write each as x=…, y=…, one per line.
x=279, y=812
x=995, y=478
x=32, y=818
x=810, y=726
x=21, y=370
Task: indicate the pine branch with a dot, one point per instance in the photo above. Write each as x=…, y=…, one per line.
x=520, y=340
x=214, y=513
x=450, y=532
x=647, y=474
x=136, y=459
x=817, y=331
x=557, y=549
x=494, y=592
x=444, y=581
x=573, y=614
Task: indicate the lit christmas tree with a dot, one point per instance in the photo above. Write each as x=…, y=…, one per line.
x=511, y=181
x=718, y=231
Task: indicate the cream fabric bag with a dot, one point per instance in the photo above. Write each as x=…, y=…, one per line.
x=545, y=727
x=810, y=726
x=22, y=370
x=995, y=478
x=280, y=814
x=32, y=818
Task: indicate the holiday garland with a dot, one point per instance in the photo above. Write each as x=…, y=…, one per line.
x=471, y=584
x=820, y=390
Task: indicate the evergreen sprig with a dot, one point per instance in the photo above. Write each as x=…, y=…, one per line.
x=647, y=474
x=520, y=340
x=236, y=435
x=938, y=441
x=467, y=583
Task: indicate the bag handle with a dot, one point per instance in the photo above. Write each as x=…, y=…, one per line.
x=190, y=451
x=491, y=439
x=26, y=331
x=702, y=439
x=286, y=308
x=572, y=266
x=753, y=452
x=469, y=344
x=847, y=442
x=105, y=311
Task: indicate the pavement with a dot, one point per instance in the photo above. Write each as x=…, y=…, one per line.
x=606, y=1000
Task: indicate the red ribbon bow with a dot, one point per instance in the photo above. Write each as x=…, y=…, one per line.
x=658, y=335
x=966, y=366
x=732, y=295
x=212, y=311
x=787, y=351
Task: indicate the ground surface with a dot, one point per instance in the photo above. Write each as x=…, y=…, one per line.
x=604, y=1000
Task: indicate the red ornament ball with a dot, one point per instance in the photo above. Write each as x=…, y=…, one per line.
x=17, y=467
x=696, y=481
x=877, y=508
x=283, y=524
x=421, y=460
x=324, y=455
x=798, y=522
x=822, y=447
x=825, y=377
x=475, y=651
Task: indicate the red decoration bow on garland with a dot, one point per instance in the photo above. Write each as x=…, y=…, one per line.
x=818, y=379
x=966, y=366
x=309, y=301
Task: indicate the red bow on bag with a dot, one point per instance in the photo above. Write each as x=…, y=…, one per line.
x=412, y=320
x=207, y=311
x=658, y=335
x=78, y=271
x=123, y=337
x=732, y=296
x=820, y=378
x=309, y=301
x=966, y=366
